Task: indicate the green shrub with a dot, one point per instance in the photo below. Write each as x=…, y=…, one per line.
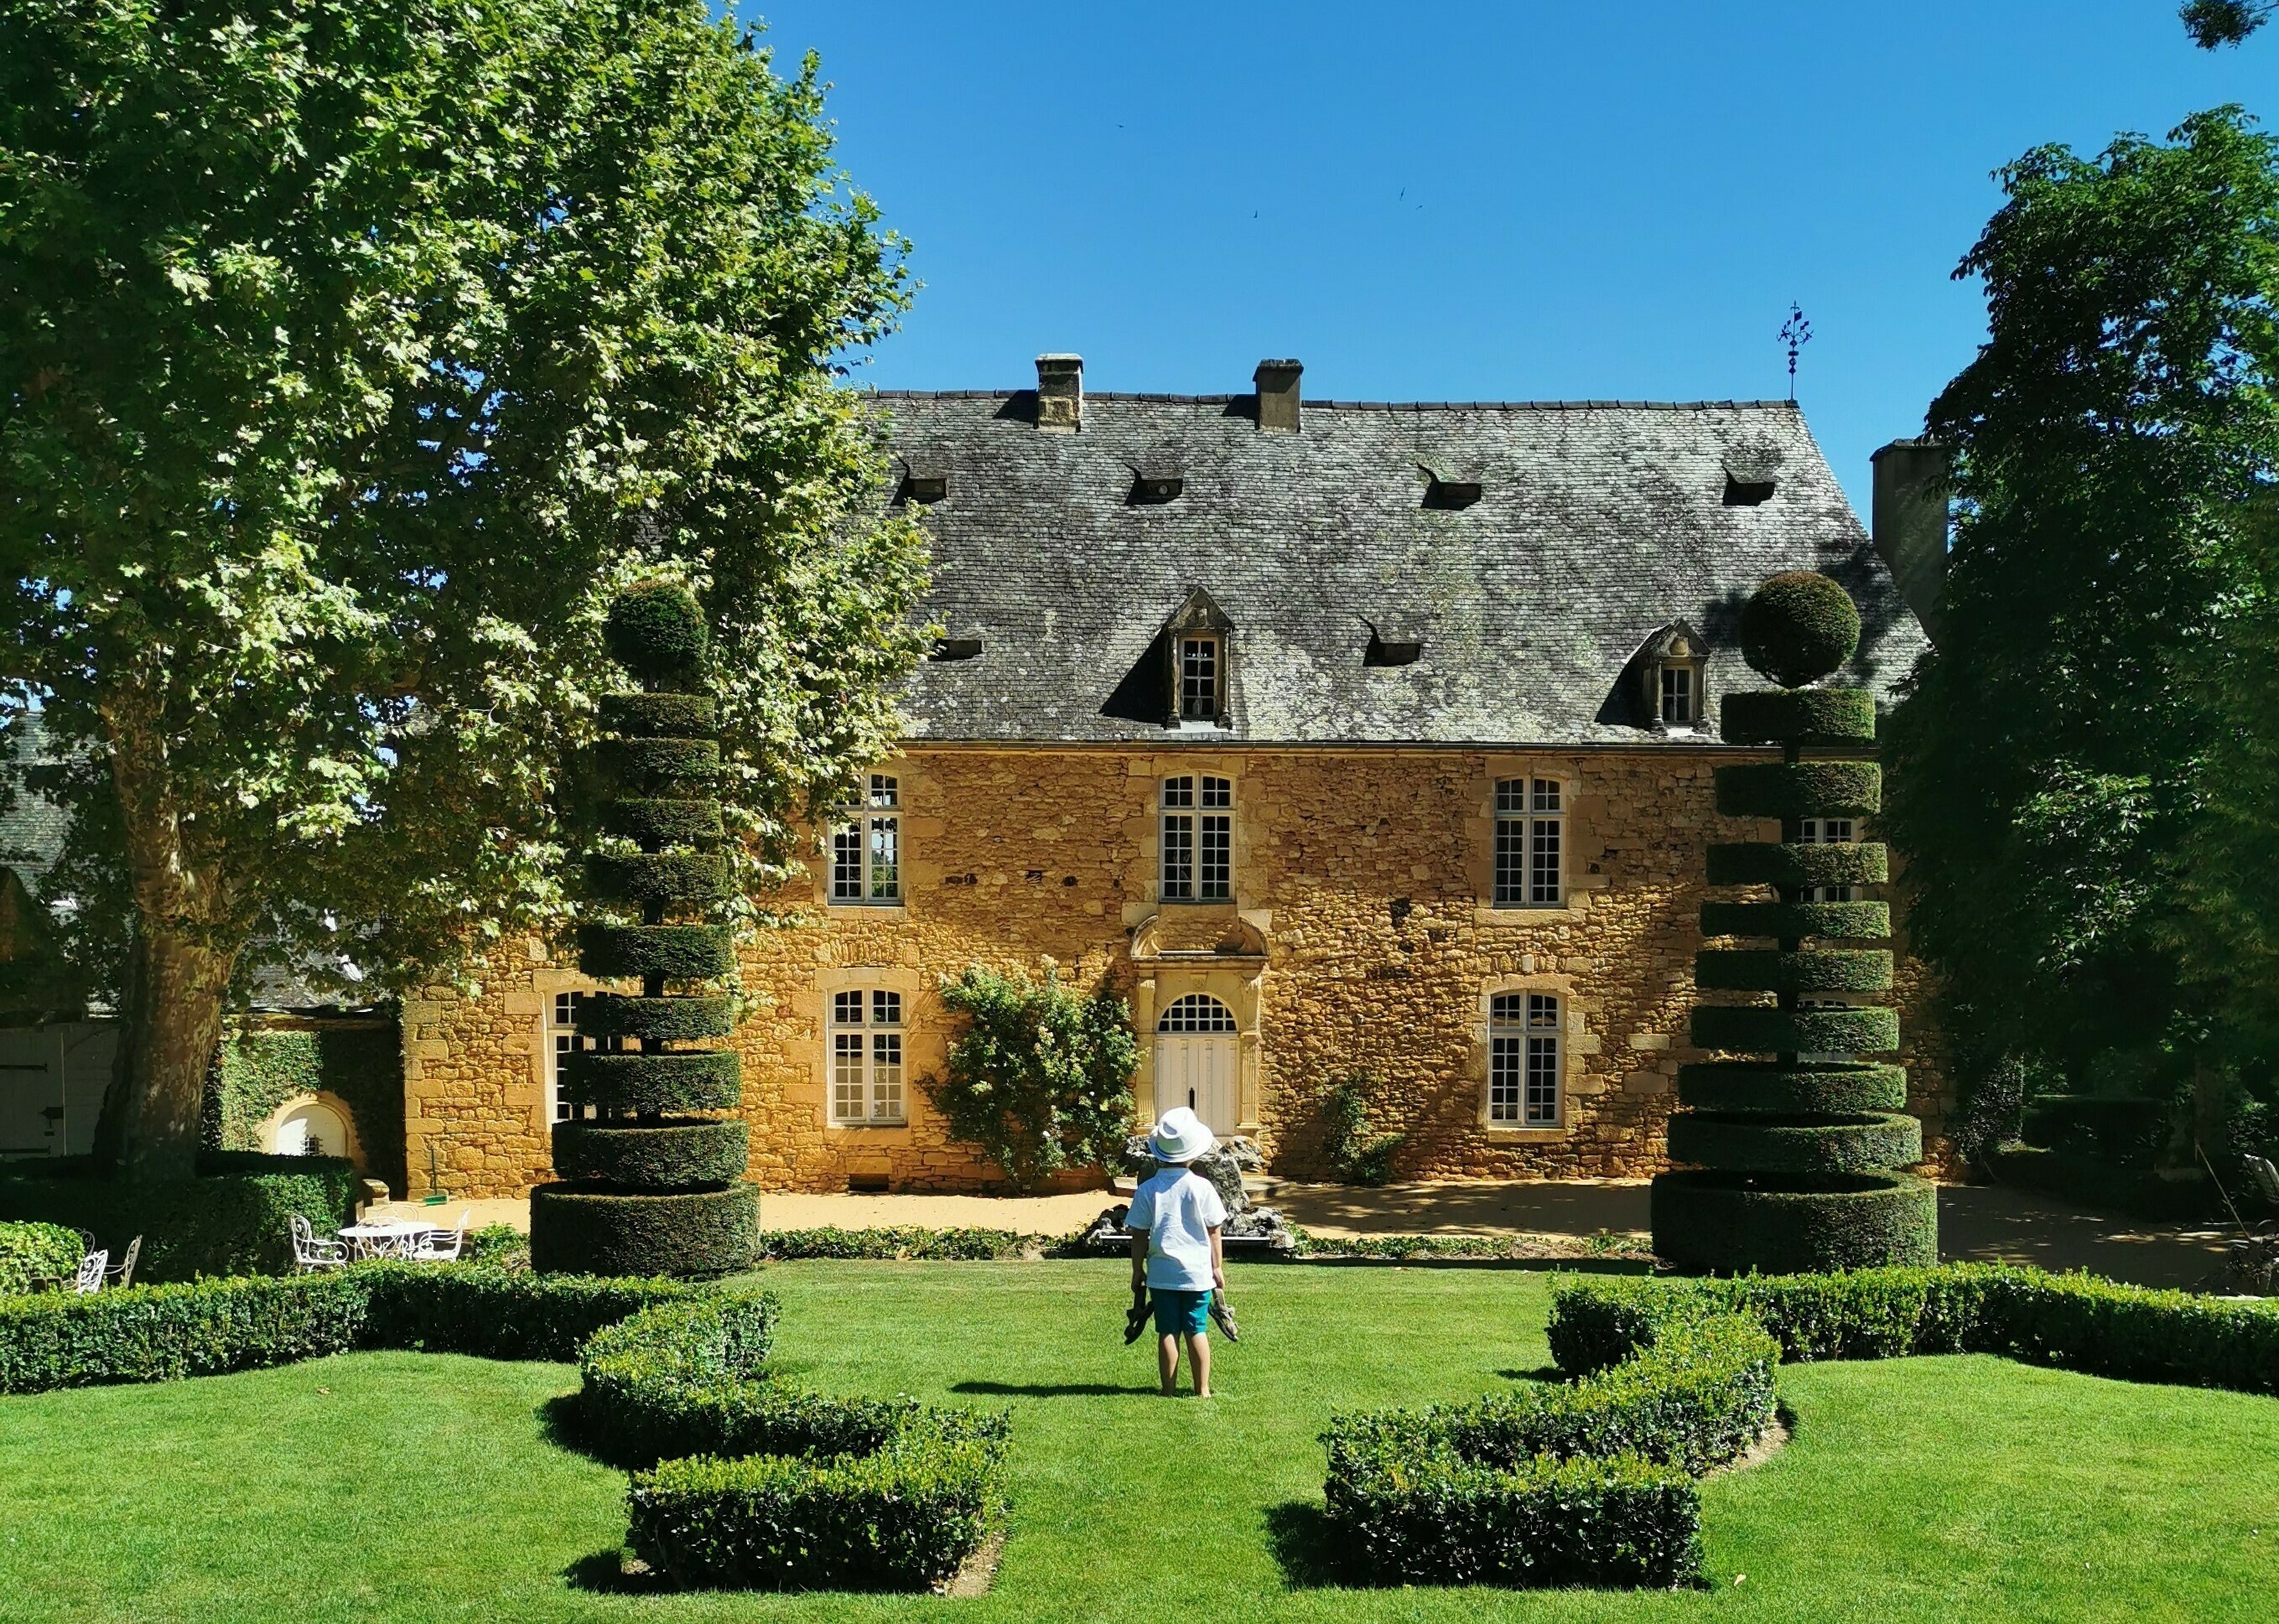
x=1765, y=1142
x=1799, y=626
x=903, y=1244
x=1798, y=716
x=677, y=952
x=601, y=1229
x=1796, y=919
x=666, y=768
x=904, y=1518
x=1720, y=1219
x=684, y=715
x=1819, y=970
x=673, y=881
x=679, y=1018
x=1355, y=1155
x=1791, y=789
x=163, y=1333
x=36, y=1251
x=657, y=631
x=500, y=1245
x=1764, y=863
x=1751, y=1029
x=233, y=1223
x=1041, y=1079
x=690, y=1080
x=1817, y=1087
x=654, y=1154
x=2072, y=1321
x=660, y=823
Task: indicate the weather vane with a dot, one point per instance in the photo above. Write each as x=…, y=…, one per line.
x=1796, y=332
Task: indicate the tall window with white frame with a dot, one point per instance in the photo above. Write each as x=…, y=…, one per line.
x=1197, y=839
x=866, y=846
x=1827, y=831
x=1531, y=821
x=1199, y=679
x=866, y=1058
x=562, y=1038
x=1523, y=1059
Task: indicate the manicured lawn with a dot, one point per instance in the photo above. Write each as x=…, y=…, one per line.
x=426, y=1488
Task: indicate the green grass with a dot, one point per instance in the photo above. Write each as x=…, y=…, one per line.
x=426, y=1488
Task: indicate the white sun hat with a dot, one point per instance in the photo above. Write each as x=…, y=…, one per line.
x=1180, y=1137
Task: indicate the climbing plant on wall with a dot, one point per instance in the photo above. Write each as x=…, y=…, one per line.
x=654, y=1184
x=1798, y=1154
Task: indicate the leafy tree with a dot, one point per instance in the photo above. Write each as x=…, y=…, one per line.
x=1041, y=1078
x=2214, y=23
x=354, y=353
x=2043, y=767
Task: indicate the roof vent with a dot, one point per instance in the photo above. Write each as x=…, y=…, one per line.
x=1277, y=395
x=1747, y=493
x=1152, y=487
x=1446, y=493
x=955, y=648
x=1392, y=651
x=1060, y=394
x=925, y=488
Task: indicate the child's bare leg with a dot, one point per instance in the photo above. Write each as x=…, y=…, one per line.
x=1199, y=1360
x=1167, y=1363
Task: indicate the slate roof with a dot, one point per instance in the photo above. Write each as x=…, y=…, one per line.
x=1598, y=523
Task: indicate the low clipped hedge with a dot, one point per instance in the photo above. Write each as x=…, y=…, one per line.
x=743, y=1481
x=686, y=1018
x=1750, y=1028
x=36, y=1251
x=1798, y=716
x=1703, y=1218
x=163, y=1333
x=1754, y=1142
x=231, y=1220
x=2075, y=1321
x=675, y=880
x=654, y=1154
x=676, y=952
x=1820, y=970
x=1797, y=919
x=907, y=1243
x=1590, y=1482
x=652, y=1084
x=1835, y=1087
x=1789, y=790
x=1763, y=863
x=596, y=1229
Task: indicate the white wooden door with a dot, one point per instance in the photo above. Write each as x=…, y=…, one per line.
x=1198, y=1071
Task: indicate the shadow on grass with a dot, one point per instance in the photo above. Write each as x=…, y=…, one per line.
x=1541, y=1373
x=604, y=1574
x=562, y=1421
x=1298, y=1534
x=1053, y=1390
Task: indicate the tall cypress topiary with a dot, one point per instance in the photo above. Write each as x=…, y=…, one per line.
x=1797, y=1158
x=651, y=1185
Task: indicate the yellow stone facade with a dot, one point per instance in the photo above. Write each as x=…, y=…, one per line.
x=1359, y=943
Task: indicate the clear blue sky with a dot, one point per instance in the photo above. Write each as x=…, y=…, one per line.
x=1476, y=202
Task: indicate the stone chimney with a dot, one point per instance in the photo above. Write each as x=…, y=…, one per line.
x=1060, y=394
x=1908, y=521
x=1277, y=395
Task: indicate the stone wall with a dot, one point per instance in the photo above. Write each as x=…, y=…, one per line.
x=1358, y=945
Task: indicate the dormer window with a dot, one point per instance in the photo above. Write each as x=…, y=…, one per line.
x=1670, y=677
x=1199, y=678
x=924, y=488
x=1447, y=491
x=1152, y=487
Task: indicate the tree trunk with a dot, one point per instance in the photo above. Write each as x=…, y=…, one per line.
x=185, y=949
x=166, y=1045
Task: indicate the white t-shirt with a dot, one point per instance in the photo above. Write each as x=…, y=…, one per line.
x=1178, y=1208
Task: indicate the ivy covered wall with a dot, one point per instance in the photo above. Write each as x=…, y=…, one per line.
x=264, y=1062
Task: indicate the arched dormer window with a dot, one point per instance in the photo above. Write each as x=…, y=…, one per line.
x=1670, y=668
x=1198, y=643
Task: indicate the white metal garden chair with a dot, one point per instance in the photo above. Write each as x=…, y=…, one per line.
x=2265, y=1178
x=122, y=1273
x=310, y=1251
x=443, y=1246
x=91, y=1267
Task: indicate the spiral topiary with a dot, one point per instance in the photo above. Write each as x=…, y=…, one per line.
x=1798, y=1164
x=654, y=1184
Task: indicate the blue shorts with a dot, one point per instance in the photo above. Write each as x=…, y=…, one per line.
x=1182, y=1314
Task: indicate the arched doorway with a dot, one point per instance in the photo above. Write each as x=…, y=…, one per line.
x=1198, y=1058
x=312, y=1128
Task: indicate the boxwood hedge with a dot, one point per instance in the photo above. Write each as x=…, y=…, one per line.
x=1809, y=1088
x=663, y=879
x=683, y=1018
x=652, y=1155
x=673, y=952
x=691, y=1080
x=655, y=766
x=657, y=822
x=660, y=716
x=1796, y=865
x=1820, y=969
x=35, y=1251
x=1750, y=1028
x=1798, y=716
x=1789, y=790
x=1797, y=919
x=595, y=1228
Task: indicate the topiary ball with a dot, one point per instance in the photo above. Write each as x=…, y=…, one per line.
x=1799, y=626
x=657, y=633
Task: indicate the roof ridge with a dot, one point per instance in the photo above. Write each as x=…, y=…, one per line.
x=1312, y=404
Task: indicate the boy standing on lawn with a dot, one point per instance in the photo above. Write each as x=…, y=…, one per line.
x=1177, y=1254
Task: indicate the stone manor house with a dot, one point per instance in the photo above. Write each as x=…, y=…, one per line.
x=1349, y=742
